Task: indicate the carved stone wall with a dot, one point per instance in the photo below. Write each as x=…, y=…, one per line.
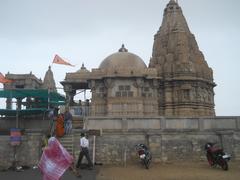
x=123, y=97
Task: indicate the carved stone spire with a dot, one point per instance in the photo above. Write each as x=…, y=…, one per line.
x=182, y=66
x=173, y=15
x=175, y=48
x=49, y=82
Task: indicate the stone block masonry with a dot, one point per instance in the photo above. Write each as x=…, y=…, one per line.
x=27, y=153
x=169, y=139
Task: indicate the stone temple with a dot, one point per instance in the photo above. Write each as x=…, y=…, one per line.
x=167, y=105
x=177, y=82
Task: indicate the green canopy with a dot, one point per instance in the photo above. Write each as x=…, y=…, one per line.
x=43, y=96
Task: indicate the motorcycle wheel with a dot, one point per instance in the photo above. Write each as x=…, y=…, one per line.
x=210, y=160
x=223, y=163
x=146, y=163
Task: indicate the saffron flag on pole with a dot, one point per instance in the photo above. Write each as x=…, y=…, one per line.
x=4, y=80
x=55, y=160
x=58, y=60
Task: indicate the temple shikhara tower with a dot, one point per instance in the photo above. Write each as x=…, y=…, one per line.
x=177, y=83
x=187, y=81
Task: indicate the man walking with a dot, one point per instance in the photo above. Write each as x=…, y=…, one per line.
x=84, y=144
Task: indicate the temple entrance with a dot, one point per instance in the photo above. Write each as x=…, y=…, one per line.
x=80, y=105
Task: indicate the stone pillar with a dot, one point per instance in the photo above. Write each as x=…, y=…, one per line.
x=108, y=84
x=168, y=100
x=19, y=103
x=155, y=87
x=9, y=103
x=68, y=91
x=139, y=84
x=72, y=94
x=28, y=103
x=92, y=86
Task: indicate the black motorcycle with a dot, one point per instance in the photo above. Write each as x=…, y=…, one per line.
x=216, y=156
x=144, y=154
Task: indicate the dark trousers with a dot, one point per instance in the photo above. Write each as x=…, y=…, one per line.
x=84, y=152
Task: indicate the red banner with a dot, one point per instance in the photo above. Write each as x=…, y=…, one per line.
x=15, y=136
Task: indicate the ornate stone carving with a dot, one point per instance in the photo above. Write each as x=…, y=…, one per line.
x=139, y=83
x=67, y=88
x=108, y=83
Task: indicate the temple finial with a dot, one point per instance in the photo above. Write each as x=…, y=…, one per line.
x=83, y=67
x=123, y=49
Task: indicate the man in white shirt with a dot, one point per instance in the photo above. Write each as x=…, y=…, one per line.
x=84, y=144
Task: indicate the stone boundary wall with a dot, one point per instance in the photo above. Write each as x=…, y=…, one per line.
x=161, y=123
x=117, y=147
x=31, y=122
x=27, y=153
x=168, y=139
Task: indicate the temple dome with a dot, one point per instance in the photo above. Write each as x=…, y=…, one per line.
x=122, y=60
x=83, y=69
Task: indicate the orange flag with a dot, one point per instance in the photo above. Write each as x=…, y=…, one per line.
x=4, y=80
x=58, y=60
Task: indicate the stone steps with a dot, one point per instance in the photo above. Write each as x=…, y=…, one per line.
x=78, y=122
x=67, y=142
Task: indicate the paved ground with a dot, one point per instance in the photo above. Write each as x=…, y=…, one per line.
x=170, y=171
x=34, y=174
x=164, y=171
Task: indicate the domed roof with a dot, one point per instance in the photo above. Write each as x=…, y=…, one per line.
x=122, y=60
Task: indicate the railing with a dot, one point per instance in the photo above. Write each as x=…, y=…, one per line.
x=81, y=110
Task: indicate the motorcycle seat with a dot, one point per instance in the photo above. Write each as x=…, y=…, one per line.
x=215, y=149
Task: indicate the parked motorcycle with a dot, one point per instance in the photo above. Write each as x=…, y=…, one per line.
x=144, y=154
x=216, y=156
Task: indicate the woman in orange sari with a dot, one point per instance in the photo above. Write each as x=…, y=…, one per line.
x=60, y=125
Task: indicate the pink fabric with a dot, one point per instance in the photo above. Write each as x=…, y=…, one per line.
x=55, y=160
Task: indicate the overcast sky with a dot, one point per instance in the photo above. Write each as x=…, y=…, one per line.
x=33, y=31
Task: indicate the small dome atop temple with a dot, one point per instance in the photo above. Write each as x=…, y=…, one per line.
x=122, y=60
x=83, y=69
